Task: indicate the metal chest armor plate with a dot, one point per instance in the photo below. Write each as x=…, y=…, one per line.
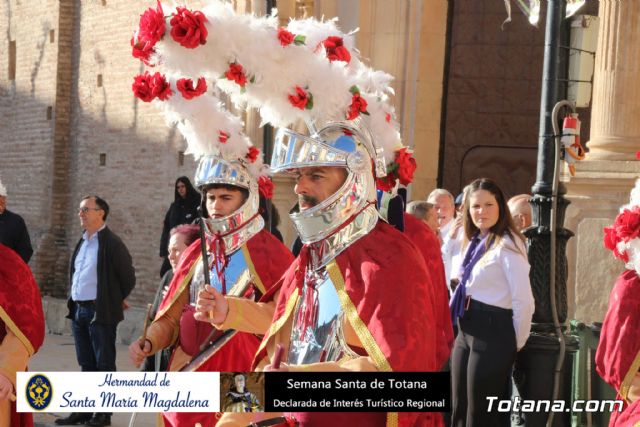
x=237, y=274
x=324, y=338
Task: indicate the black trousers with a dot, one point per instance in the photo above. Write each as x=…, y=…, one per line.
x=481, y=364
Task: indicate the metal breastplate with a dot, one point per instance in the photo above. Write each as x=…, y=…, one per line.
x=237, y=276
x=324, y=337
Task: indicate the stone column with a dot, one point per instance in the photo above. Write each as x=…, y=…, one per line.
x=604, y=179
x=615, y=124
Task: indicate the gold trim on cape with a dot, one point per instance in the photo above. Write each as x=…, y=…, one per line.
x=275, y=326
x=254, y=274
x=628, y=378
x=365, y=336
x=185, y=282
x=10, y=324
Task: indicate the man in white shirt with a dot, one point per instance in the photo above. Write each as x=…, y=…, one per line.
x=443, y=202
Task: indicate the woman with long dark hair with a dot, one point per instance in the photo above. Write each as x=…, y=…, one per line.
x=492, y=304
x=183, y=210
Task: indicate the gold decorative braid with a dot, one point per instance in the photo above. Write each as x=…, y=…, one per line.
x=183, y=285
x=16, y=331
x=275, y=326
x=254, y=274
x=392, y=419
x=367, y=340
x=628, y=378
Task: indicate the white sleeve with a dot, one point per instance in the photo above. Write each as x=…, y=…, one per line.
x=516, y=269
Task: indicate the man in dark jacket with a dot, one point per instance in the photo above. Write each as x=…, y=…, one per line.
x=101, y=277
x=13, y=230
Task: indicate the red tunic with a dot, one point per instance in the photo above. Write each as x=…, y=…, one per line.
x=389, y=290
x=618, y=355
x=20, y=312
x=269, y=259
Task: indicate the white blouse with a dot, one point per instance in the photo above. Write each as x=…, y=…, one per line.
x=501, y=278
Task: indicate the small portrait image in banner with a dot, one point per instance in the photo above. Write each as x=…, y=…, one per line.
x=241, y=391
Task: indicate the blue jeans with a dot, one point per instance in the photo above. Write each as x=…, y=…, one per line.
x=95, y=342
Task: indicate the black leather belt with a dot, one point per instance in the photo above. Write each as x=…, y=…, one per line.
x=480, y=306
x=85, y=303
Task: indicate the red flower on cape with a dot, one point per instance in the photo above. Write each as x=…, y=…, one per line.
x=386, y=183
x=336, y=51
x=185, y=86
x=387, y=117
x=358, y=105
x=252, y=154
x=302, y=99
x=285, y=37
x=188, y=29
x=627, y=224
x=160, y=87
x=265, y=186
x=147, y=87
x=142, y=51
x=223, y=137
x=406, y=166
x=151, y=27
x=236, y=73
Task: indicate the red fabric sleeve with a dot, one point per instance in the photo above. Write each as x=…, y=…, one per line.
x=20, y=298
x=428, y=245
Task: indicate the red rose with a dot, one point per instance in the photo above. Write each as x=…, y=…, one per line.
x=406, y=166
x=387, y=117
x=141, y=87
x=142, y=51
x=336, y=50
x=301, y=99
x=151, y=27
x=185, y=86
x=252, y=154
x=358, y=105
x=285, y=37
x=223, y=137
x=236, y=73
x=265, y=186
x=627, y=225
x=160, y=87
x=638, y=155
x=610, y=238
x=386, y=183
x=188, y=29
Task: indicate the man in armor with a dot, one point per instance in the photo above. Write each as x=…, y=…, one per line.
x=241, y=257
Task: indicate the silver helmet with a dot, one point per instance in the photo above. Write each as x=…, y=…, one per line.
x=242, y=224
x=340, y=144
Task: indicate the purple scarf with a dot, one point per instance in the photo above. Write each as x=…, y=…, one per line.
x=475, y=251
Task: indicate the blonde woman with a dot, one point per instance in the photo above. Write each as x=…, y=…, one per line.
x=492, y=305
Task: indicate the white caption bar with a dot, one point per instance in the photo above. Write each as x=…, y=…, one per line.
x=118, y=392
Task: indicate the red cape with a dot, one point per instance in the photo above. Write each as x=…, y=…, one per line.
x=429, y=246
x=618, y=354
x=269, y=259
x=20, y=311
x=387, y=281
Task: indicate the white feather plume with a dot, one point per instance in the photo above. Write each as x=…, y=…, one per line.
x=274, y=71
x=201, y=120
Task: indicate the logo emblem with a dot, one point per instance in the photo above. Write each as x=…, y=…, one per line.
x=39, y=392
